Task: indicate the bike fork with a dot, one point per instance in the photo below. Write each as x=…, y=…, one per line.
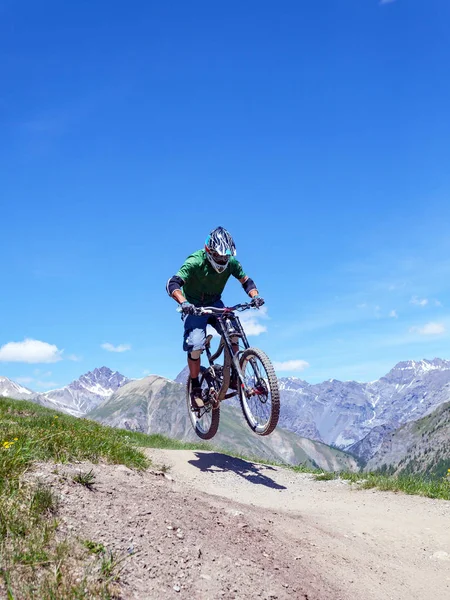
x=237, y=366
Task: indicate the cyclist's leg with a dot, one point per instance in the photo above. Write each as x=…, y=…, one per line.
x=194, y=344
x=194, y=339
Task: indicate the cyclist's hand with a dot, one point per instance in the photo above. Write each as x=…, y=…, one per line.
x=257, y=301
x=187, y=308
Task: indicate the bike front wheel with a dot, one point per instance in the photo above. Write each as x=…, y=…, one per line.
x=205, y=420
x=261, y=403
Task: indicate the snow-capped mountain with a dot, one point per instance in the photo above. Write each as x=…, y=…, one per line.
x=11, y=389
x=343, y=413
x=85, y=393
x=353, y=416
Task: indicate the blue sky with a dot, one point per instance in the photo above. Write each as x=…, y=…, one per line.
x=317, y=133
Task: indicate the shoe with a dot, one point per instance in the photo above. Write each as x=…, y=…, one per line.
x=196, y=398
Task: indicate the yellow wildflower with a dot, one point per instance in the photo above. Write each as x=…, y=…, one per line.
x=16, y=439
x=55, y=417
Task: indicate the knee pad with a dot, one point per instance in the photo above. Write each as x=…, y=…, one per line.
x=195, y=354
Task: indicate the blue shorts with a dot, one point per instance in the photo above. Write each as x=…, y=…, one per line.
x=195, y=330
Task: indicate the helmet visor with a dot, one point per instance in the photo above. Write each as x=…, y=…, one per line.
x=220, y=259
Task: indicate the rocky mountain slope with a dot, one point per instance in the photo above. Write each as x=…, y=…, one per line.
x=351, y=415
x=85, y=393
x=370, y=444
x=421, y=446
x=344, y=413
x=77, y=398
x=11, y=389
x=157, y=405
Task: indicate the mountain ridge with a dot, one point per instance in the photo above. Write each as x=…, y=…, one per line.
x=157, y=405
x=12, y=389
x=421, y=446
x=90, y=389
x=354, y=416
x=344, y=413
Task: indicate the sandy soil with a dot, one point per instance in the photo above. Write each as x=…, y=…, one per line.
x=221, y=528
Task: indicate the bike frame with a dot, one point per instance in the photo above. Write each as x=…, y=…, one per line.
x=223, y=318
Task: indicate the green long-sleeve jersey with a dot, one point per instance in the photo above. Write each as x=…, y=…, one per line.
x=202, y=284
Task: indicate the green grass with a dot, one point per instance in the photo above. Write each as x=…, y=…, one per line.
x=417, y=485
x=304, y=468
x=156, y=440
x=325, y=476
x=94, y=547
x=33, y=564
x=87, y=479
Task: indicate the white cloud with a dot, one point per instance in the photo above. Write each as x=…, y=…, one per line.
x=120, y=348
x=438, y=303
x=291, y=365
x=393, y=314
x=251, y=321
x=75, y=358
x=419, y=301
x=429, y=329
x=30, y=351
x=254, y=328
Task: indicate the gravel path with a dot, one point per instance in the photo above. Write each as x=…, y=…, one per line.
x=223, y=528
x=366, y=543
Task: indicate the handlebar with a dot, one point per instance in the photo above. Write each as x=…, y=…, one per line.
x=213, y=310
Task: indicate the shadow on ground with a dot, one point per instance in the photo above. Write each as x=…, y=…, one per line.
x=252, y=472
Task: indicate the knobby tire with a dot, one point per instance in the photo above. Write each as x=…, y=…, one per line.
x=272, y=382
x=202, y=432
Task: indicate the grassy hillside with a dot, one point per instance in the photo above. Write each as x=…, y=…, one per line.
x=419, y=447
x=34, y=562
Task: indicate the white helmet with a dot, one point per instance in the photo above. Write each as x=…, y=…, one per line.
x=219, y=246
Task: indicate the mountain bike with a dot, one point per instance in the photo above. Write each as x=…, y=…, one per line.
x=247, y=369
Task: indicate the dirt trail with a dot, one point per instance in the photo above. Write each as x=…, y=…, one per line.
x=224, y=528
x=367, y=543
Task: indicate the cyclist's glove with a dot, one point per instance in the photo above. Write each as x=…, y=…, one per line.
x=187, y=308
x=257, y=301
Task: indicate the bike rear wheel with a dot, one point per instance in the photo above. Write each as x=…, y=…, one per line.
x=204, y=421
x=262, y=407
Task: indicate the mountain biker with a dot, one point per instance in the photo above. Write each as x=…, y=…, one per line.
x=200, y=282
